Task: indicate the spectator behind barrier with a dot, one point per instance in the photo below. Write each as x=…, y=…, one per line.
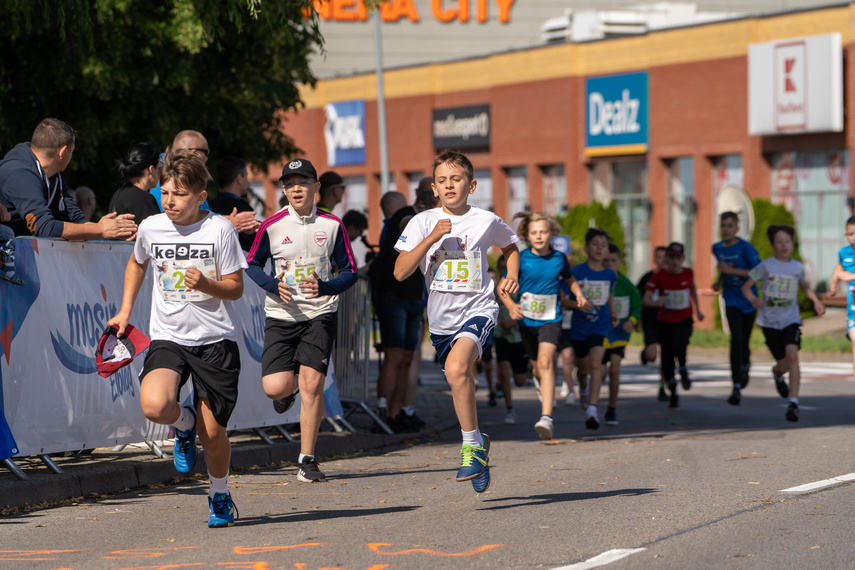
x=233, y=178
x=355, y=223
x=84, y=197
x=331, y=192
x=7, y=250
x=39, y=201
x=139, y=172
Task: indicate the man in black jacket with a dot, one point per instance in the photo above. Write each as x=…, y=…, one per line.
x=400, y=310
x=38, y=199
x=233, y=179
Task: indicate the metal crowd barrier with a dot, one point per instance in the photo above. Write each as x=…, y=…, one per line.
x=353, y=350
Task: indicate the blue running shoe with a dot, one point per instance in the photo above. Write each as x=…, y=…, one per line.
x=474, y=459
x=184, y=453
x=482, y=482
x=223, y=510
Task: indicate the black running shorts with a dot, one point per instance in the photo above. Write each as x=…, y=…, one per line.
x=307, y=343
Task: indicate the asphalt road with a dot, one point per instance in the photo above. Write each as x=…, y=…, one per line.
x=700, y=486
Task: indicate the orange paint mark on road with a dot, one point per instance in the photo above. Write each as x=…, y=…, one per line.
x=245, y=565
x=29, y=554
x=376, y=548
x=260, y=549
x=164, y=566
x=303, y=566
x=143, y=552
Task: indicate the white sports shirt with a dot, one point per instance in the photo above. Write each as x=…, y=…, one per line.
x=474, y=231
x=188, y=323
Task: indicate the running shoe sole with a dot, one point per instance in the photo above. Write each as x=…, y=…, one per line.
x=592, y=423
x=544, y=429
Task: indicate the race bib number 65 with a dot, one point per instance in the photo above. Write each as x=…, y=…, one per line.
x=458, y=271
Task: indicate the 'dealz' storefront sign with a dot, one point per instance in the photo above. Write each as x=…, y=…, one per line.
x=616, y=114
x=461, y=127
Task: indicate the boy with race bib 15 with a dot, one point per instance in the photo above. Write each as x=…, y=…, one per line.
x=192, y=324
x=449, y=244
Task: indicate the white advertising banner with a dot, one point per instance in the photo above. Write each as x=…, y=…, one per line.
x=52, y=397
x=796, y=86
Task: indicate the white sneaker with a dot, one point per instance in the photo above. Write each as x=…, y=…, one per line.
x=510, y=418
x=583, y=397
x=537, y=387
x=570, y=400
x=563, y=391
x=544, y=427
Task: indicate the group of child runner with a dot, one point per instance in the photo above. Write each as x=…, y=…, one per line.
x=193, y=331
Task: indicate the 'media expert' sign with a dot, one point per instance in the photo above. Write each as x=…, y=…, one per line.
x=461, y=127
x=616, y=114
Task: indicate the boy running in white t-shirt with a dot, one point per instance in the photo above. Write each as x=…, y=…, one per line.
x=192, y=327
x=449, y=244
x=779, y=279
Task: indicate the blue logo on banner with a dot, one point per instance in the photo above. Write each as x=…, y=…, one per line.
x=344, y=132
x=562, y=243
x=616, y=114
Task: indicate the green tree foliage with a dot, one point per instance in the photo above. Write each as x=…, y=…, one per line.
x=126, y=71
x=580, y=217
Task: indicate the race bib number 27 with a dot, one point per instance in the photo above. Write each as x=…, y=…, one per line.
x=171, y=275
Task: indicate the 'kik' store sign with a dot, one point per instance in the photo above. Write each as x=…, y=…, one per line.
x=616, y=114
x=344, y=132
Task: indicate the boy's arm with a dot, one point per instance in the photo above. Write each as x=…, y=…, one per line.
x=134, y=275
x=693, y=292
x=258, y=255
x=408, y=261
x=634, y=305
x=749, y=294
x=817, y=304
x=581, y=302
x=647, y=300
x=343, y=257
x=229, y=287
x=835, y=278
x=514, y=308
x=727, y=269
x=509, y=283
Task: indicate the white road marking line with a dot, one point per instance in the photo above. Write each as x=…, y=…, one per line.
x=820, y=484
x=602, y=559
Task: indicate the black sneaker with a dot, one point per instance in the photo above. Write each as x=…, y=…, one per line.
x=745, y=374
x=282, y=405
x=684, y=378
x=793, y=412
x=402, y=423
x=674, y=400
x=491, y=400
x=308, y=471
x=643, y=357
x=663, y=395
x=781, y=385
x=417, y=421
x=735, y=397
x=672, y=385
x=592, y=423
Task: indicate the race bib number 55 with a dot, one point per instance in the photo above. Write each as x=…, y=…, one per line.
x=295, y=271
x=457, y=271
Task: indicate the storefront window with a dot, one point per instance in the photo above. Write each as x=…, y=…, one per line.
x=483, y=196
x=355, y=196
x=682, y=205
x=625, y=182
x=517, y=193
x=814, y=186
x=554, y=189
x=413, y=179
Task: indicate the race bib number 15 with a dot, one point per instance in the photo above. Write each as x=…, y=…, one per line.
x=457, y=271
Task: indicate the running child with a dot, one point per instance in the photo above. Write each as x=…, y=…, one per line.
x=539, y=311
x=511, y=357
x=649, y=323
x=735, y=258
x=677, y=294
x=594, y=317
x=845, y=271
x=192, y=324
x=780, y=278
x=450, y=245
x=301, y=303
x=628, y=308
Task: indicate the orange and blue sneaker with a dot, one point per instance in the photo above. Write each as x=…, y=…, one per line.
x=474, y=460
x=184, y=453
x=223, y=510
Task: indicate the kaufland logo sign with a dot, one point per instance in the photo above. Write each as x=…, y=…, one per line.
x=344, y=132
x=796, y=86
x=616, y=114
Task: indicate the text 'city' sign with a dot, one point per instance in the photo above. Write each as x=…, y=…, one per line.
x=344, y=132
x=796, y=86
x=461, y=127
x=616, y=114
